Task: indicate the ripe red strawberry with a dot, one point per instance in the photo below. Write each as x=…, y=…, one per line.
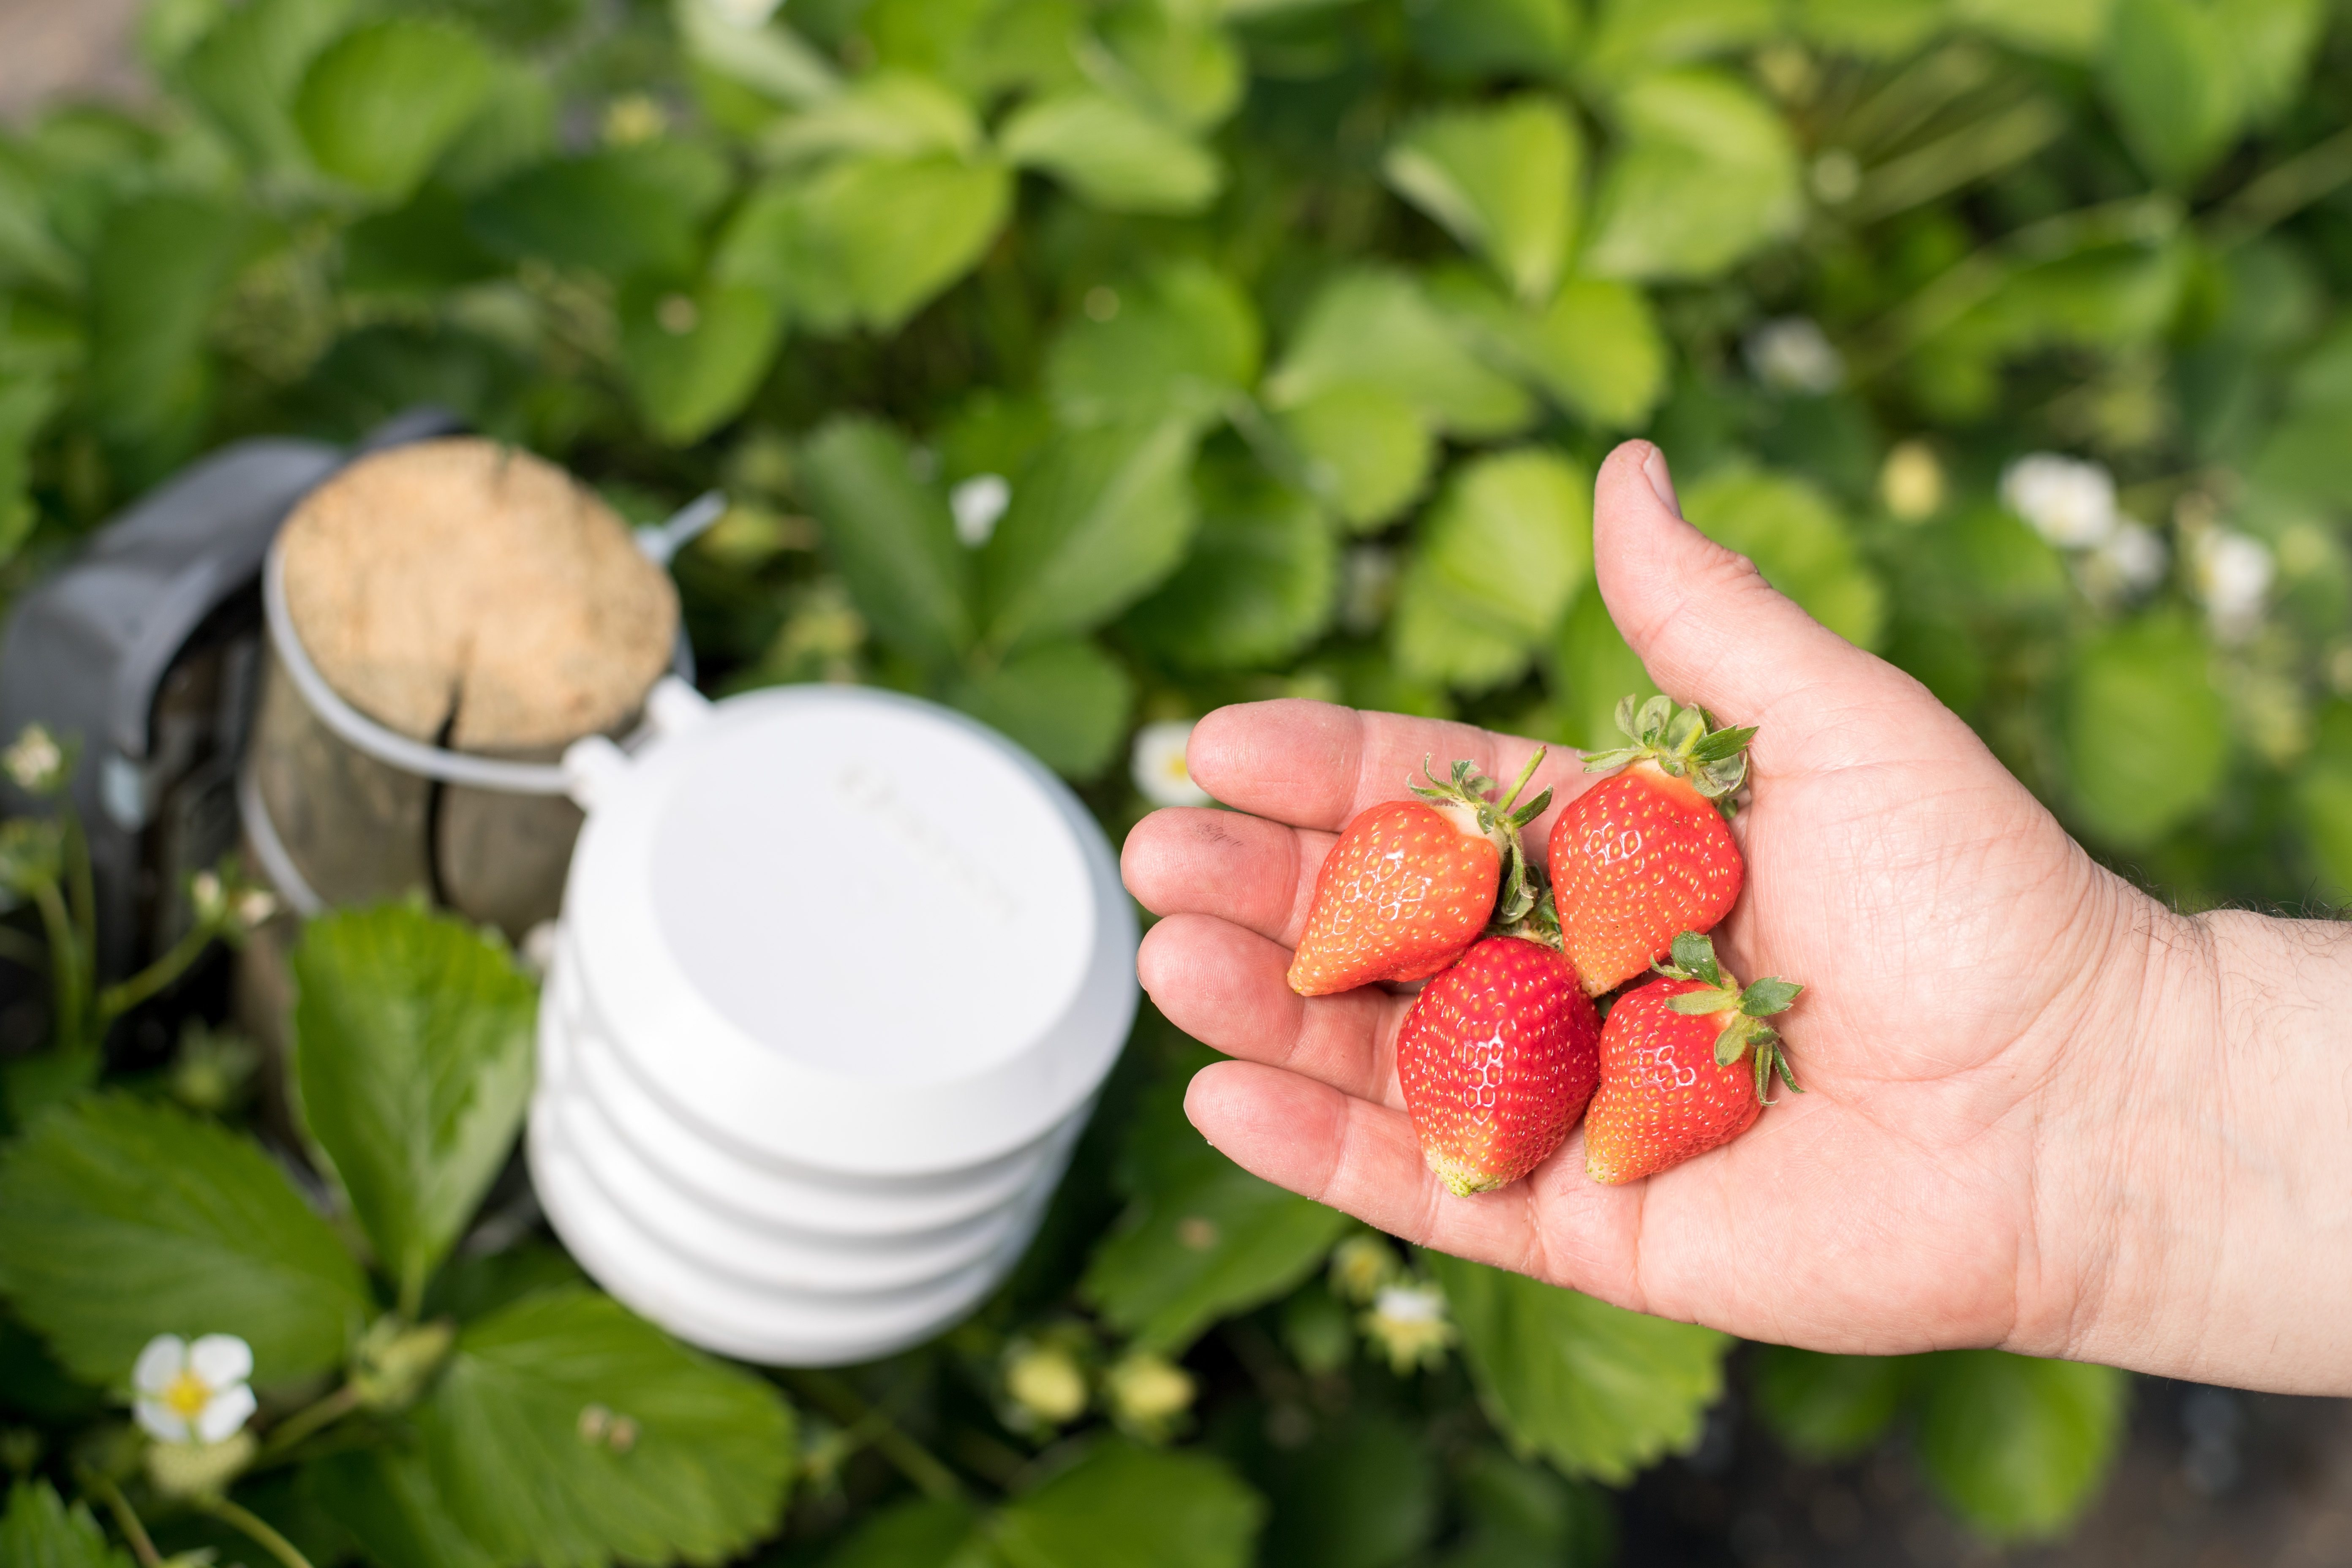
x=1496, y=1060
x=1638, y=857
x=1684, y=1064
x=1411, y=883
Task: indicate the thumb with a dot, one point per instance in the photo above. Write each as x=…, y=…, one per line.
x=1704, y=621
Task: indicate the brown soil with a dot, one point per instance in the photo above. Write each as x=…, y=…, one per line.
x=466, y=589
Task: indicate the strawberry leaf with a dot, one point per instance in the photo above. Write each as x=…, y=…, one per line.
x=1768, y=996
x=1722, y=744
x=1699, y=1003
x=1694, y=954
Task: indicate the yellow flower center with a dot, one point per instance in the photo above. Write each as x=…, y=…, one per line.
x=186, y=1395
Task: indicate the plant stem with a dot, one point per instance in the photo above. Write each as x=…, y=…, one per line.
x=126, y=1520
x=276, y=1545
x=81, y=887
x=65, y=965
x=914, y=1461
x=123, y=995
x=2279, y=193
x=308, y=1420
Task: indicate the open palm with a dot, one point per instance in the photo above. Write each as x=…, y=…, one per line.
x=1933, y=1186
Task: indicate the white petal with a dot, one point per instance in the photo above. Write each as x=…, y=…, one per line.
x=228, y=1412
x=159, y=1363
x=221, y=1359
x=162, y=1422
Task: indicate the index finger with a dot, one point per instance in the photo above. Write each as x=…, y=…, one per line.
x=1316, y=765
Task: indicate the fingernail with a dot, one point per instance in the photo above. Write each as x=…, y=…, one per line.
x=1661, y=479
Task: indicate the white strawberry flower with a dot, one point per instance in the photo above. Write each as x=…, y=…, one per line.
x=2233, y=572
x=1792, y=353
x=1158, y=768
x=1410, y=1322
x=2069, y=502
x=194, y=1392
x=34, y=761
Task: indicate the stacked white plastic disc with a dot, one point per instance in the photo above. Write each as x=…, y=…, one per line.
x=838, y=974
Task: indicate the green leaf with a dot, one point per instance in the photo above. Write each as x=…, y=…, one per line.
x=1126, y=1507
x=1503, y=178
x=1114, y=155
x=891, y=113
x=1066, y=702
x=2168, y=75
x=420, y=248
x=2270, y=43
x=1494, y=565
x=1827, y=1408
x=927, y=1532
x=1875, y=29
x=1798, y=541
x=513, y=128
x=385, y=1499
x=382, y=101
x=29, y=249
x=1170, y=59
x=619, y=211
x=1099, y=520
x=1595, y=350
x=1183, y=343
x=1260, y=585
x=1707, y=173
x=702, y=1475
x=1364, y=451
x=1596, y=1390
x=414, y=1037
x=39, y=1531
x=25, y=403
x=2323, y=800
x=695, y=355
x=2069, y=29
x=1631, y=35
x=247, y=69
x=122, y=1219
x=1201, y=1239
x=1363, y=1494
x=892, y=538
x=2147, y=740
x=162, y=263
x=1375, y=327
x=865, y=241
x=2018, y=1446
x=769, y=58
x=1593, y=670
x=1507, y=38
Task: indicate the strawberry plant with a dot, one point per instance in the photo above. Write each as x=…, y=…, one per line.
x=1085, y=366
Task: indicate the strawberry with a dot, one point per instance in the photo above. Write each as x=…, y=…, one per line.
x=1411, y=883
x=1496, y=1060
x=1672, y=1080
x=1645, y=854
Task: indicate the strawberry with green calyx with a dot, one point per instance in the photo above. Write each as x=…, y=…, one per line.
x=1496, y=1060
x=1411, y=883
x=1686, y=1062
x=1647, y=853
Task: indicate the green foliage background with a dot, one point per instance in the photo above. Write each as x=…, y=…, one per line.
x=1293, y=331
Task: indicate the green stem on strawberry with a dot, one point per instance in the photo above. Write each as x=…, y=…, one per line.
x=1693, y=959
x=1684, y=743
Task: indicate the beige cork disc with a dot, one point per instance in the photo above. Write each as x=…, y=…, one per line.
x=462, y=591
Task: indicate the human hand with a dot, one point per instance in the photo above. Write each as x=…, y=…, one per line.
x=2005, y=1048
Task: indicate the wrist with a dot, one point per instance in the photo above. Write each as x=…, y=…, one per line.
x=2210, y=1142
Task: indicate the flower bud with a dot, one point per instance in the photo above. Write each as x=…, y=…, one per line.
x=34, y=762
x=395, y=1360
x=1045, y=1382
x=1361, y=1266
x=199, y=1469
x=1148, y=1394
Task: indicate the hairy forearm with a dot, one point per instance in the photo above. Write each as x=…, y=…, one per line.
x=2213, y=1212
